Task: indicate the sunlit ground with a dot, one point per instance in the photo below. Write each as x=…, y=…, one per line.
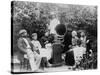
x=49, y=69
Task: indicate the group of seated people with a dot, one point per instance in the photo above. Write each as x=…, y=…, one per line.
x=70, y=49
x=32, y=49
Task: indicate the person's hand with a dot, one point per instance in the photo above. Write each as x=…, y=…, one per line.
x=46, y=42
x=87, y=41
x=70, y=46
x=63, y=56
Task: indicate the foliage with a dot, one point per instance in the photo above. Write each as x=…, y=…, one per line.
x=34, y=17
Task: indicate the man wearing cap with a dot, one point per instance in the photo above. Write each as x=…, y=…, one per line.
x=26, y=47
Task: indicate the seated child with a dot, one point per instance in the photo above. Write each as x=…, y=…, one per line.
x=36, y=43
x=36, y=48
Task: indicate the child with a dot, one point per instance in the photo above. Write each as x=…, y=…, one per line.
x=83, y=39
x=74, y=38
x=78, y=52
x=36, y=43
x=36, y=49
x=40, y=53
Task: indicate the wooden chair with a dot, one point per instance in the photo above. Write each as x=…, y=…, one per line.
x=24, y=64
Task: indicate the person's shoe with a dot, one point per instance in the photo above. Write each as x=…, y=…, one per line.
x=49, y=65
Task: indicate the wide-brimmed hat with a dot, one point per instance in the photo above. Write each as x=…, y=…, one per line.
x=22, y=31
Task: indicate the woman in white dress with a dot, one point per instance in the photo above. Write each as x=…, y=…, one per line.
x=39, y=51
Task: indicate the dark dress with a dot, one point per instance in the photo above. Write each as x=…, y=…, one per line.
x=67, y=41
x=43, y=40
x=49, y=38
x=69, y=59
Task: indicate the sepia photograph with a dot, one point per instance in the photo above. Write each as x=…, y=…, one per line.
x=53, y=37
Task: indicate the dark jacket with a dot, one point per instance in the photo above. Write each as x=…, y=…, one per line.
x=67, y=41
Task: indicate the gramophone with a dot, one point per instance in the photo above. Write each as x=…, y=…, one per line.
x=60, y=32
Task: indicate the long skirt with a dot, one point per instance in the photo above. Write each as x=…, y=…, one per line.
x=34, y=59
x=69, y=59
x=46, y=52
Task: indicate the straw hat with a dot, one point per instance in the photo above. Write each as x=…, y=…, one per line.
x=22, y=31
